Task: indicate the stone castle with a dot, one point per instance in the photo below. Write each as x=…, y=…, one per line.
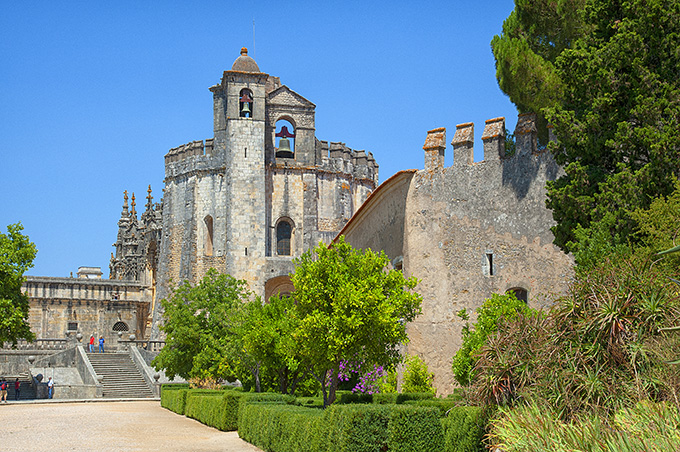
x=264, y=189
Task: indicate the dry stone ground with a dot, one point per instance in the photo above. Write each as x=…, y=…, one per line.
x=112, y=426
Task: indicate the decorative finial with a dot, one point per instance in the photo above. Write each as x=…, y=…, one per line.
x=125, y=204
x=133, y=212
x=149, y=199
x=244, y=51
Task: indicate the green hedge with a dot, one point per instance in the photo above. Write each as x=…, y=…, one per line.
x=215, y=407
x=350, y=397
x=274, y=426
x=464, y=429
x=309, y=402
x=444, y=405
x=208, y=408
x=174, y=400
x=236, y=400
x=399, y=398
x=341, y=428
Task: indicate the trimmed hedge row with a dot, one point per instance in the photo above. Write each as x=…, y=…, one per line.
x=214, y=407
x=342, y=428
x=399, y=398
x=174, y=400
x=282, y=423
x=464, y=429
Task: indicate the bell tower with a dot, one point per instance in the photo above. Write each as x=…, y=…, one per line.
x=239, y=123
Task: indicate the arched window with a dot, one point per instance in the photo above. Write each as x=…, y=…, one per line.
x=208, y=247
x=245, y=103
x=520, y=293
x=285, y=139
x=284, y=232
x=120, y=326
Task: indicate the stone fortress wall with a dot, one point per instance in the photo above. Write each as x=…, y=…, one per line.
x=88, y=305
x=466, y=232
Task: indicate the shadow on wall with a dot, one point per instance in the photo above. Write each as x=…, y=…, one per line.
x=524, y=167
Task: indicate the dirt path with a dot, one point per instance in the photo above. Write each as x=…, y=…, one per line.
x=113, y=426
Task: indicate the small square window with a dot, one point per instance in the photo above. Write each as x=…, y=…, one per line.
x=72, y=326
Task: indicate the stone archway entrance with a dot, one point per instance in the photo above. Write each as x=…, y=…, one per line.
x=278, y=285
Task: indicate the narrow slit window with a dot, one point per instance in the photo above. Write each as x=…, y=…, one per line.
x=488, y=264
x=208, y=235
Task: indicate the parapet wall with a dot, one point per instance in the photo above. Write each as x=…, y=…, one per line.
x=336, y=157
x=493, y=137
x=189, y=150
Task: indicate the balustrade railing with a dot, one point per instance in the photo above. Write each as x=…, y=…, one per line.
x=39, y=344
x=152, y=346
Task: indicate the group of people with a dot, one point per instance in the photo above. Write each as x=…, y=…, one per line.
x=4, y=388
x=101, y=344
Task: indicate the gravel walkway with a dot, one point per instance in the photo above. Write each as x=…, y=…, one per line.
x=108, y=426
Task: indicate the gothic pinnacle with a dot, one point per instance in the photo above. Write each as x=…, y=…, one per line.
x=125, y=204
x=149, y=199
x=133, y=212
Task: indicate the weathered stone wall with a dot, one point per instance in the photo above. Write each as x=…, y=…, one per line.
x=94, y=305
x=469, y=231
x=379, y=223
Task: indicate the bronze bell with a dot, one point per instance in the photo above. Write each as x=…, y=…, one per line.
x=284, y=149
x=246, y=108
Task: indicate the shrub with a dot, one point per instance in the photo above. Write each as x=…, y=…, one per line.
x=443, y=405
x=417, y=378
x=341, y=428
x=174, y=400
x=464, y=429
x=309, y=402
x=414, y=429
x=401, y=397
x=351, y=397
x=488, y=315
x=278, y=427
x=383, y=399
x=352, y=428
x=596, y=350
x=404, y=396
x=649, y=427
x=208, y=409
x=235, y=400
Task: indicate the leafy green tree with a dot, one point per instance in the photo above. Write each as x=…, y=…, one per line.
x=494, y=309
x=201, y=325
x=417, y=377
x=266, y=332
x=350, y=309
x=604, y=73
x=16, y=256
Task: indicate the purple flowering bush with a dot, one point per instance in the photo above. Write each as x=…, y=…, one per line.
x=370, y=380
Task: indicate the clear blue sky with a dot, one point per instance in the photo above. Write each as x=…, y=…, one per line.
x=93, y=94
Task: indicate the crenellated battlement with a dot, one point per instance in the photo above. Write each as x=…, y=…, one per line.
x=338, y=157
x=188, y=150
x=493, y=138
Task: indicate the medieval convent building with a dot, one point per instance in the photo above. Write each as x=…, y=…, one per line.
x=264, y=189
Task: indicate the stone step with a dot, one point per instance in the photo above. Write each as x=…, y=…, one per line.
x=120, y=376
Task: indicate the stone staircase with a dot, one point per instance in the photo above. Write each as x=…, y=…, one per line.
x=121, y=378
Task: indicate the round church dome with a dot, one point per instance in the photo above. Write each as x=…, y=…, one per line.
x=244, y=63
